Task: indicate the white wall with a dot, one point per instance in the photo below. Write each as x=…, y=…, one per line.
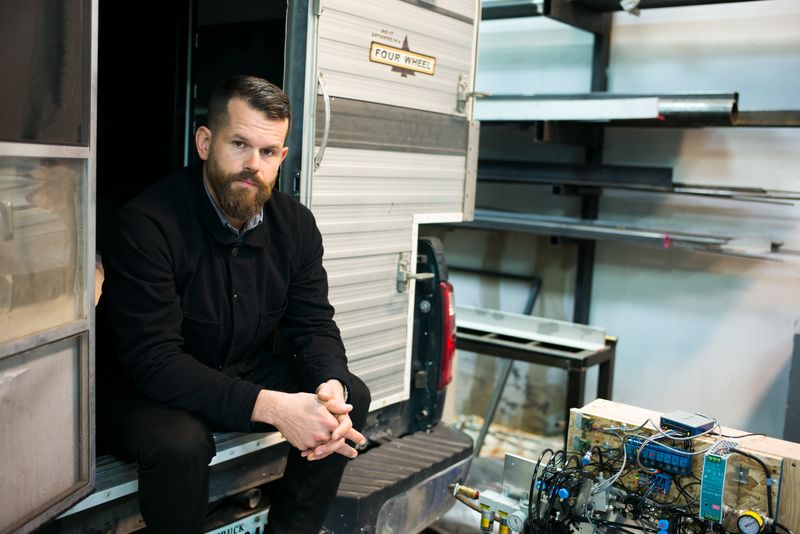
x=697, y=331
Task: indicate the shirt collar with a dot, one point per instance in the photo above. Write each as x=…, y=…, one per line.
x=251, y=223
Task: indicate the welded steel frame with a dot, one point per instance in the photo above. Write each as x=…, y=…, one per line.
x=575, y=363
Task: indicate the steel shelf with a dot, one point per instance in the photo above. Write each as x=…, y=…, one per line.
x=582, y=229
x=556, y=9
x=719, y=109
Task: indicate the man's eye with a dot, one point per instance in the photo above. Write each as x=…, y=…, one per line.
x=267, y=153
x=238, y=144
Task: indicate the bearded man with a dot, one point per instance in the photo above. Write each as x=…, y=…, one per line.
x=200, y=271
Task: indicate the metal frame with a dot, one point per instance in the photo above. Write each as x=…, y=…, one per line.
x=120, y=478
x=567, y=174
x=570, y=353
x=470, y=183
x=585, y=230
x=82, y=329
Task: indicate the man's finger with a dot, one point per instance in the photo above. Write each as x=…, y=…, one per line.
x=356, y=437
x=337, y=407
x=324, y=393
x=321, y=451
x=345, y=425
x=344, y=449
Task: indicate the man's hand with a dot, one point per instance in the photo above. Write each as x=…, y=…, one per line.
x=302, y=418
x=332, y=394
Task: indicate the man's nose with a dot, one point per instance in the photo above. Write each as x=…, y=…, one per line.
x=253, y=161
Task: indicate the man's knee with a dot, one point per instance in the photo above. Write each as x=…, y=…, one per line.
x=360, y=398
x=189, y=444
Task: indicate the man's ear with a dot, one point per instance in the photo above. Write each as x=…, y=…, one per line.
x=202, y=141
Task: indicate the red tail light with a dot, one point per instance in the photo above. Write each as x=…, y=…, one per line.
x=448, y=334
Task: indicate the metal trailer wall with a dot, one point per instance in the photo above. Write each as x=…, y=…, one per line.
x=395, y=155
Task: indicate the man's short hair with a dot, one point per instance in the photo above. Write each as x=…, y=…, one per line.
x=260, y=94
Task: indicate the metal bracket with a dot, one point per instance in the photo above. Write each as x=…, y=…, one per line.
x=404, y=274
x=462, y=95
x=318, y=9
x=630, y=6
x=6, y=221
x=742, y=475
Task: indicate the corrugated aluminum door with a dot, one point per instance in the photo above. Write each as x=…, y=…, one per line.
x=396, y=145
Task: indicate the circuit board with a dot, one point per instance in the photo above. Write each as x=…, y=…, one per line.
x=670, y=471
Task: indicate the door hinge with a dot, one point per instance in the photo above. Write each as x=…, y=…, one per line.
x=404, y=274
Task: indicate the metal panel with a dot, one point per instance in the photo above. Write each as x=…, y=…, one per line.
x=391, y=151
x=365, y=202
x=45, y=429
x=347, y=31
x=356, y=124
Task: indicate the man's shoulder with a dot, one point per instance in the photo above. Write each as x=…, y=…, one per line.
x=169, y=197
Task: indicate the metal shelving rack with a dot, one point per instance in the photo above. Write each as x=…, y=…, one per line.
x=580, y=120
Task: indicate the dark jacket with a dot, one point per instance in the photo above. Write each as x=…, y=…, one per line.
x=189, y=309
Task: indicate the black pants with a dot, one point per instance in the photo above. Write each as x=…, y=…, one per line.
x=173, y=449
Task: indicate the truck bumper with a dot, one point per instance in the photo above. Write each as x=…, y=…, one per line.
x=401, y=486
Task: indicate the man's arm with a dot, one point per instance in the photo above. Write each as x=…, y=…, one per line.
x=141, y=298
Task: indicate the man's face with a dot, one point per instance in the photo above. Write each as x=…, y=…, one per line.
x=242, y=159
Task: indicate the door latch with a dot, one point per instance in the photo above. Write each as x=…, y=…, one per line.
x=462, y=95
x=404, y=274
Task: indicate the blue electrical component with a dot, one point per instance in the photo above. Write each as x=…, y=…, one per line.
x=660, y=482
x=657, y=456
x=663, y=524
x=712, y=486
x=563, y=493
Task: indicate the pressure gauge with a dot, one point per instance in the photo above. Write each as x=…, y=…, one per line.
x=516, y=521
x=750, y=523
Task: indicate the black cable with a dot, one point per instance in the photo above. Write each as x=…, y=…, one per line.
x=614, y=524
x=767, y=481
x=782, y=527
x=600, y=456
x=533, y=482
x=741, y=436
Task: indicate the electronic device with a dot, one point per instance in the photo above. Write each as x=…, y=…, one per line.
x=687, y=424
x=712, y=486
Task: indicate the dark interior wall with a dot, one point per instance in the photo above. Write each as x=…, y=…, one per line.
x=141, y=87
x=145, y=65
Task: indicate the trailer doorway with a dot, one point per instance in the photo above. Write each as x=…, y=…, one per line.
x=158, y=64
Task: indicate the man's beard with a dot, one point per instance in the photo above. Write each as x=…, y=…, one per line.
x=240, y=203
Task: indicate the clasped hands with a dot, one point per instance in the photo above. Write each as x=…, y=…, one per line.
x=317, y=424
